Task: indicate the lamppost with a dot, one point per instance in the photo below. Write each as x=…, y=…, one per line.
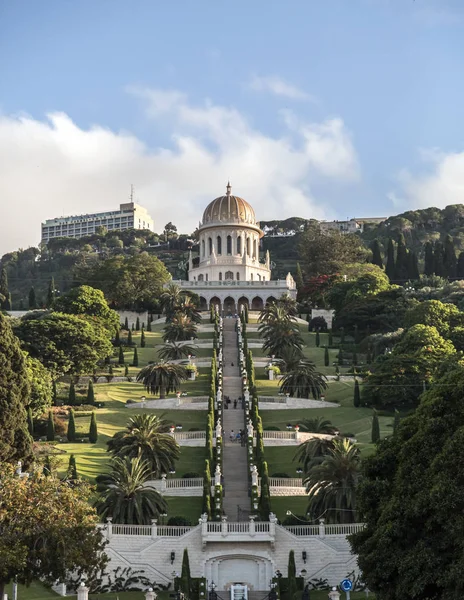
x=163, y=516
x=212, y=592
x=273, y=592
x=143, y=398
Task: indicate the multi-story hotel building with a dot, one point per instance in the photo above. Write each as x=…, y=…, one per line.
x=129, y=216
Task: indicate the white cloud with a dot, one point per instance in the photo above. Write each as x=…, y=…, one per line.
x=53, y=167
x=279, y=87
x=440, y=185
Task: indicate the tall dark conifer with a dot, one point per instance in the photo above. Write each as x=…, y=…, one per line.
x=390, y=264
x=90, y=393
x=439, y=259
x=376, y=254
x=449, y=258
x=4, y=291
x=429, y=267
x=51, y=293
x=460, y=266
x=32, y=298
x=299, y=280
x=413, y=266
x=402, y=261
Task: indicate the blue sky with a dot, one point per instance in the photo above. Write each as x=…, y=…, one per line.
x=315, y=108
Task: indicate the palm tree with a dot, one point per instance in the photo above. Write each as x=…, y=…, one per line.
x=187, y=307
x=179, y=328
x=289, y=358
x=274, y=312
x=124, y=496
x=279, y=336
x=169, y=299
x=175, y=351
x=304, y=381
x=331, y=483
x=312, y=452
x=146, y=436
x=317, y=425
x=162, y=378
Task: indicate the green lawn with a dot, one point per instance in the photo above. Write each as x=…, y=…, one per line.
x=188, y=507
x=38, y=591
x=296, y=504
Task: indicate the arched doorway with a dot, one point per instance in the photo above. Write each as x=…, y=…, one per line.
x=229, y=306
x=215, y=301
x=257, y=303
x=252, y=571
x=242, y=302
x=271, y=300
x=203, y=303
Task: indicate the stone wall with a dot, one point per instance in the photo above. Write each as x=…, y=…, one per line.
x=321, y=312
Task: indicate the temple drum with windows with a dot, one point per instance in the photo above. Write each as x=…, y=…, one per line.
x=229, y=272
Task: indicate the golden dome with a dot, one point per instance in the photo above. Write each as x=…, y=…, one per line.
x=229, y=209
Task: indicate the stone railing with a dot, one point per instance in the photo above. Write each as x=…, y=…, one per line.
x=238, y=531
x=177, y=486
x=322, y=529
x=154, y=530
x=232, y=282
x=283, y=482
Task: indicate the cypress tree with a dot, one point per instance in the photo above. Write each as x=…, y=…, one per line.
x=142, y=339
x=449, y=258
x=110, y=369
x=50, y=427
x=126, y=324
x=246, y=313
x=460, y=266
x=129, y=338
x=438, y=259
x=148, y=325
x=330, y=338
x=90, y=393
x=32, y=298
x=326, y=356
x=318, y=339
x=185, y=580
x=8, y=304
x=72, y=394
x=4, y=291
x=375, y=433
x=206, y=508
x=429, y=267
x=342, y=335
x=291, y=575
x=390, y=264
x=72, y=468
x=54, y=394
x=30, y=422
x=71, y=435
x=340, y=356
x=299, y=280
x=137, y=324
x=135, y=360
x=51, y=293
x=356, y=395
x=117, y=339
x=132, y=327
x=355, y=358
x=121, y=356
x=376, y=254
x=396, y=421
x=402, y=262
x=93, y=430
x=413, y=266
x=126, y=371
x=369, y=355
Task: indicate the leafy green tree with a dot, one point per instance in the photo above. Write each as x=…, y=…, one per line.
x=396, y=422
x=147, y=436
x=142, y=339
x=126, y=370
x=5, y=302
x=291, y=575
x=124, y=496
x=326, y=357
x=429, y=266
x=64, y=343
x=376, y=253
x=357, y=395
x=93, y=430
x=50, y=427
x=121, y=356
x=437, y=314
x=72, y=468
x=375, y=430
x=411, y=499
x=41, y=387
x=135, y=360
x=32, y=299
x=51, y=293
x=303, y=381
x=47, y=467
x=390, y=264
x=88, y=301
x=72, y=400
x=71, y=433
x=54, y=394
x=15, y=441
x=149, y=324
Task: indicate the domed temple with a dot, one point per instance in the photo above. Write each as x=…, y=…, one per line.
x=229, y=273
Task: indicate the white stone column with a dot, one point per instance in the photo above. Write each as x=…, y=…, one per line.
x=150, y=595
x=82, y=592
x=154, y=528
x=334, y=594
x=163, y=483
x=321, y=528
x=109, y=527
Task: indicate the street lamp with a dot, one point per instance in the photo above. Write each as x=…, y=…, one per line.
x=143, y=398
x=212, y=593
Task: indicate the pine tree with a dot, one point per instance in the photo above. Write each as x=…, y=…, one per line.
x=4, y=291
x=396, y=421
x=90, y=393
x=413, y=266
x=460, y=266
x=438, y=259
x=93, y=430
x=137, y=324
x=129, y=338
x=318, y=339
x=32, y=299
x=142, y=339
x=449, y=258
x=148, y=325
x=376, y=254
x=50, y=427
x=51, y=293
x=402, y=262
x=126, y=371
x=429, y=267
x=117, y=339
x=356, y=396
x=121, y=356
x=390, y=264
x=299, y=280
x=30, y=422
x=126, y=324
x=375, y=433
x=72, y=468
x=71, y=435
x=326, y=356
x=135, y=360
x=72, y=394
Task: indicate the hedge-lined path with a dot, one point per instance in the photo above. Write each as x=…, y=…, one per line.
x=235, y=457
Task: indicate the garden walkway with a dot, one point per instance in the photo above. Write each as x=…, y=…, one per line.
x=235, y=457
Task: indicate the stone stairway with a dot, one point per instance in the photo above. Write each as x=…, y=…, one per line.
x=235, y=458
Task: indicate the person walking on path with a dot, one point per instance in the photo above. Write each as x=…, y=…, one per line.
x=235, y=403
x=232, y=436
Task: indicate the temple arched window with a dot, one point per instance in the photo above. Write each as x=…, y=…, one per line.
x=220, y=276
x=200, y=277
x=254, y=249
x=210, y=246
x=218, y=245
x=239, y=244
x=229, y=275
x=238, y=276
x=203, y=248
x=229, y=244
x=248, y=246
